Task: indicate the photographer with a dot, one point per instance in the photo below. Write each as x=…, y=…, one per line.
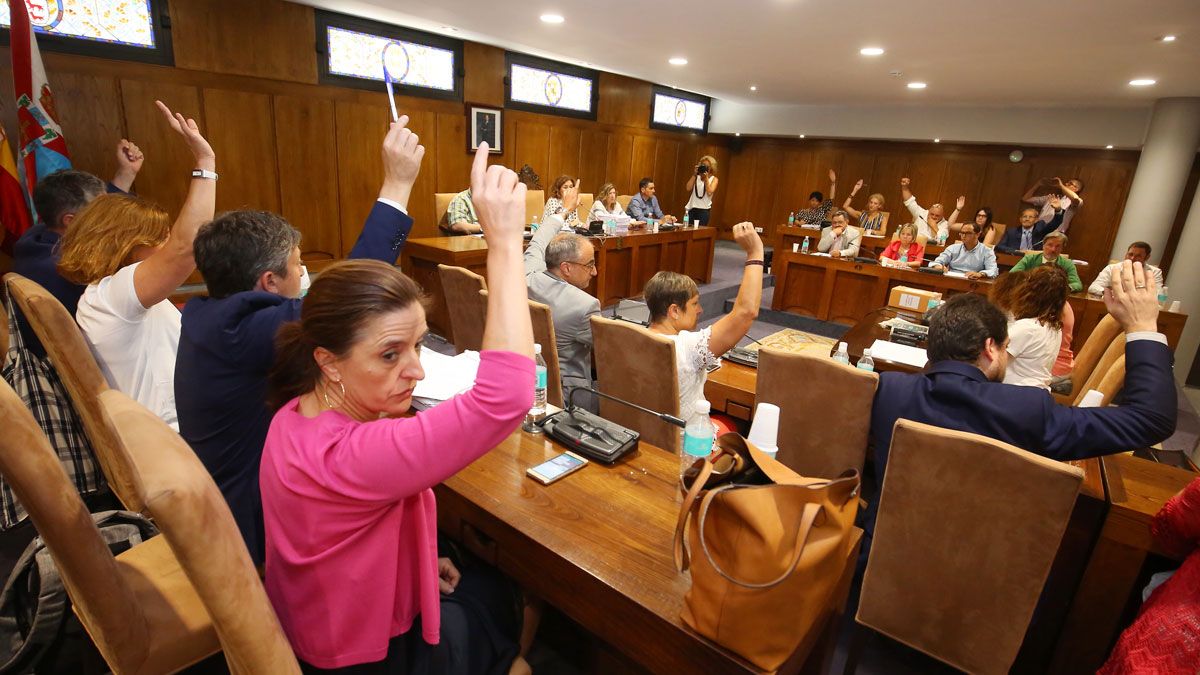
x=701, y=186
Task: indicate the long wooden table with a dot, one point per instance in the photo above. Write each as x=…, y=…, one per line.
x=844, y=291
x=624, y=263
x=598, y=546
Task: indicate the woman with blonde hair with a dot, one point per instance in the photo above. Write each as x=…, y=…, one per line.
x=701, y=186
x=606, y=205
x=554, y=205
x=904, y=249
x=132, y=259
x=871, y=220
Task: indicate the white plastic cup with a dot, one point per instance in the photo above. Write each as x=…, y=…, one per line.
x=764, y=431
x=1092, y=399
x=1174, y=306
x=795, y=247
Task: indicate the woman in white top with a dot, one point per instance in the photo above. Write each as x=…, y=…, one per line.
x=1035, y=331
x=701, y=186
x=554, y=205
x=674, y=304
x=606, y=205
x=132, y=259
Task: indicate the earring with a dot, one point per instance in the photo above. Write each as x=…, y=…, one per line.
x=325, y=394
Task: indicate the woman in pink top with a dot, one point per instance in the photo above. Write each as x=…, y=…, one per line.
x=352, y=564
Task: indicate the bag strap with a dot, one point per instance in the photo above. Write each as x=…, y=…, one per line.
x=681, y=555
x=811, y=511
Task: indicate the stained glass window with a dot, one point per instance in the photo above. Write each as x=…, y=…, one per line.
x=679, y=111
x=356, y=54
x=545, y=87
x=116, y=22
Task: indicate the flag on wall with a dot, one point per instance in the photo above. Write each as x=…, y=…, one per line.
x=41, y=147
x=14, y=213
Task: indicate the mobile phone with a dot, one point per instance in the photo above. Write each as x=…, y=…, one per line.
x=555, y=468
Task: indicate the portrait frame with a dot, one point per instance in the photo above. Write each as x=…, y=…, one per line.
x=485, y=123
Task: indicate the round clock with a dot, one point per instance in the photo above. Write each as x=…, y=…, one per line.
x=1016, y=156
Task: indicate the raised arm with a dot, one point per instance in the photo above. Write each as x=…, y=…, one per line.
x=905, y=191
x=129, y=163
x=958, y=207
x=160, y=274
x=388, y=223
x=729, y=329
x=500, y=202
x=832, y=185
x=846, y=206
x=1062, y=187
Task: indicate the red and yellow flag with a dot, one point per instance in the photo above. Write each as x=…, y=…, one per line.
x=14, y=210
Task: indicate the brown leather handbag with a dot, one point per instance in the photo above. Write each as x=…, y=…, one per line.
x=770, y=555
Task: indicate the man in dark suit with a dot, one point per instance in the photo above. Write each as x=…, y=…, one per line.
x=961, y=387
x=1029, y=235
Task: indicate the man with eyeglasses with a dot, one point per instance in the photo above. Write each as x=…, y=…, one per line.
x=968, y=256
x=558, y=269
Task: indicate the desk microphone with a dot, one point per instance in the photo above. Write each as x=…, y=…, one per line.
x=590, y=434
x=669, y=419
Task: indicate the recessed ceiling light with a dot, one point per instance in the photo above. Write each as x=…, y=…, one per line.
x=677, y=61
x=916, y=85
x=1167, y=38
x=753, y=88
x=1142, y=82
x=737, y=133
x=937, y=140
x=1108, y=147
x=801, y=135
x=871, y=51
x=552, y=18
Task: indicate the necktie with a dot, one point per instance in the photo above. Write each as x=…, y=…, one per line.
x=1026, y=239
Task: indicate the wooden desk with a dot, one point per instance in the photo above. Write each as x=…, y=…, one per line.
x=844, y=291
x=598, y=546
x=623, y=264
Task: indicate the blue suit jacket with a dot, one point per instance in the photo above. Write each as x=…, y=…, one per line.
x=1012, y=235
x=226, y=348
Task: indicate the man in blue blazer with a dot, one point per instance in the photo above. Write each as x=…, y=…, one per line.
x=1029, y=235
x=961, y=387
x=250, y=261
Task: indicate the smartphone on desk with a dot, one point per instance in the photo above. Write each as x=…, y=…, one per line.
x=555, y=468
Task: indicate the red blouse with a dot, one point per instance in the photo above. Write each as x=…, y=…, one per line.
x=916, y=252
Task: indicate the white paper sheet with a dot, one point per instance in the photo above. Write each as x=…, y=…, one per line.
x=446, y=376
x=955, y=274
x=897, y=353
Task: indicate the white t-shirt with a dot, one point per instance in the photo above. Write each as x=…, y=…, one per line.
x=135, y=346
x=700, y=197
x=1032, y=348
x=692, y=360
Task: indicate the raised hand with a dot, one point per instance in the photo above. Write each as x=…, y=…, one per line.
x=129, y=163
x=570, y=198
x=858, y=186
x=402, y=155
x=832, y=176
x=187, y=127
x=960, y=202
x=905, y=182
x=1132, y=298
x=748, y=239
x=499, y=200
x=1055, y=202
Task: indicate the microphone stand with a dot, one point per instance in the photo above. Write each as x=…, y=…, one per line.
x=669, y=419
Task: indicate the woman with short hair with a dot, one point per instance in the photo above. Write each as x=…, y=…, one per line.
x=904, y=249
x=554, y=205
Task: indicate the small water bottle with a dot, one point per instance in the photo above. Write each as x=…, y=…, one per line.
x=1163, y=296
x=650, y=225
x=942, y=236
x=804, y=246
x=534, y=225
x=687, y=219
x=842, y=355
x=904, y=257
x=791, y=218
x=610, y=227
x=866, y=362
x=539, y=393
x=697, y=437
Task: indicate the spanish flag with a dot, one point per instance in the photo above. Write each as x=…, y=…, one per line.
x=14, y=211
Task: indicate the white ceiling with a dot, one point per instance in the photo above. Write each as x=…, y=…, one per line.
x=970, y=52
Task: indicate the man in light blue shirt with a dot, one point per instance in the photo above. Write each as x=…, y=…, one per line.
x=644, y=204
x=968, y=255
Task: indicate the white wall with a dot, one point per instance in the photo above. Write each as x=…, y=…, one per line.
x=1080, y=127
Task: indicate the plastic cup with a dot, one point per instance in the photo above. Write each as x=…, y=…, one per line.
x=1174, y=306
x=764, y=431
x=795, y=247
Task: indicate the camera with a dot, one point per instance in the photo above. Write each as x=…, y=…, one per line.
x=701, y=170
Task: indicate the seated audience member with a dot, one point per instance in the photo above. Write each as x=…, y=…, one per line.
x=1165, y=637
x=1138, y=251
x=871, y=220
x=840, y=240
x=961, y=388
x=1068, y=194
x=353, y=567
x=904, y=249
x=968, y=256
x=931, y=223
x=1035, y=329
x=460, y=216
x=674, y=304
x=554, y=205
x=818, y=207
x=132, y=259
x=559, y=266
x=1031, y=233
x=1052, y=246
x=644, y=204
x=251, y=263
x=983, y=223
x=606, y=205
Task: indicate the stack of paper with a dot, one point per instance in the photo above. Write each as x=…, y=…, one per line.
x=446, y=376
x=897, y=353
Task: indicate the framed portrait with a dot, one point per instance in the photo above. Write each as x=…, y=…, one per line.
x=484, y=126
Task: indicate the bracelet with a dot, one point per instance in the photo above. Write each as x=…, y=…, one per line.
x=755, y=262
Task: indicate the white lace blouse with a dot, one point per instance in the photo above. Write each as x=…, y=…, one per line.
x=693, y=358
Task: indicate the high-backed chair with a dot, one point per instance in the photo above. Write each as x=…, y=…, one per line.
x=639, y=366
x=1115, y=350
x=139, y=609
x=920, y=238
x=1111, y=383
x=585, y=206
x=883, y=224
x=441, y=204
x=843, y=402
x=535, y=204
x=3, y=337
x=466, y=308
x=624, y=200
x=543, y=334
x=967, y=530
x=76, y=367
x=1089, y=354
x=193, y=517
x=999, y=230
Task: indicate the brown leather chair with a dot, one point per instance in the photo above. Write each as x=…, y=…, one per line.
x=138, y=608
x=838, y=441
x=624, y=200
x=73, y=361
x=639, y=366
x=1113, y=381
x=441, y=204
x=1089, y=355
x=3, y=338
x=189, y=509
x=967, y=530
x=1115, y=350
x=466, y=307
x=543, y=334
x=535, y=204
x=999, y=230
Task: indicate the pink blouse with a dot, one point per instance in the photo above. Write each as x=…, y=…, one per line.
x=351, y=527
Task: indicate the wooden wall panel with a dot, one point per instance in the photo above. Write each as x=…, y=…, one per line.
x=965, y=177
x=856, y=164
x=593, y=157
x=485, y=64
x=241, y=129
x=533, y=148
x=644, y=150
x=564, y=154
x=421, y=206
x=927, y=173
x=448, y=150
x=360, y=131
x=166, y=174
x=889, y=168
x=666, y=160
x=92, y=123
x=1094, y=228
x=620, y=158
x=265, y=38
x=1002, y=190
x=624, y=101
x=308, y=180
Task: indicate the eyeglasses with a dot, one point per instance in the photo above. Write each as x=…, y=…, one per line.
x=591, y=264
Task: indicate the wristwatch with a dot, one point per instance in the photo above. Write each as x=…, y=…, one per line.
x=204, y=173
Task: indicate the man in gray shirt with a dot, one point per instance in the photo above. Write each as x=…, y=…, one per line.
x=558, y=267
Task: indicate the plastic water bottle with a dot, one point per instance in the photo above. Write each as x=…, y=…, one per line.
x=904, y=257
x=804, y=247
x=697, y=437
x=866, y=362
x=1163, y=295
x=942, y=236
x=534, y=225
x=539, y=393
x=791, y=218
x=687, y=218
x=842, y=355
